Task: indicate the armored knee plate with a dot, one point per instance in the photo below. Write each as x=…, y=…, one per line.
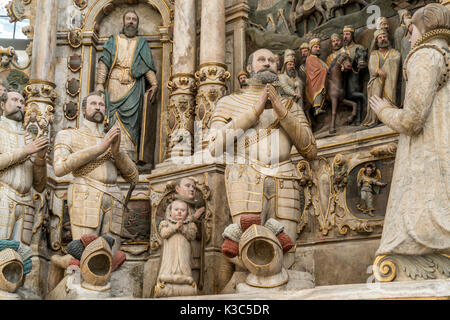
x=11, y=270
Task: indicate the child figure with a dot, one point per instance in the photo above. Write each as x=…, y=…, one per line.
x=175, y=274
x=369, y=184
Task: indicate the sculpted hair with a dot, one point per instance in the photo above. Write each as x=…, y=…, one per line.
x=84, y=101
x=4, y=96
x=432, y=16
x=128, y=11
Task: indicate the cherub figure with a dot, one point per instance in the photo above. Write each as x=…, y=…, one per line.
x=175, y=274
x=369, y=183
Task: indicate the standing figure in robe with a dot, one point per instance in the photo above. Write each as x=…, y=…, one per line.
x=384, y=64
x=124, y=66
x=417, y=221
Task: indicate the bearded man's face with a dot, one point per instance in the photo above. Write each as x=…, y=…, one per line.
x=264, y=66
x=130, y=25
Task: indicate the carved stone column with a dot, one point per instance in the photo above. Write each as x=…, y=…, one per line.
x=40, y=92
x=212, y=73
x=180, y=113
x=40, y=98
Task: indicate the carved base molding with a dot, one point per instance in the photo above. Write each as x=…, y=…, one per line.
x=387, y=268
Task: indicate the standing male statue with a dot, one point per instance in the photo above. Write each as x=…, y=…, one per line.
x=291, y=84
x=95, y=159
x=384, y=64
x=122, y=69
x=316, y=76
x=22, y=166
x=262, y=179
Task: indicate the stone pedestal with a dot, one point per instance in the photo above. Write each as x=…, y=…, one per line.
x=71, y=288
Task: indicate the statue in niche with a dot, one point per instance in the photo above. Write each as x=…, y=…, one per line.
x=369, y=184
x=123, y=68
x=417, y=215
x=95, y=159
x=175, y=273
x=384, y=64
x=22, y=166
x=262, y=119
x=291, y=84
x=186, y=190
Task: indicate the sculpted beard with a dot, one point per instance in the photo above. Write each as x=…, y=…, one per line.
x=15, y=115
x=348, y=41
x=291, y=72
x=96, y=117
x=130, y=30
x=383, y=44
x=265, y=77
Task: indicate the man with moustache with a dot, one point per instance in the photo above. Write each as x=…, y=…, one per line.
x=336, y=45
x=384, y=64
x=291, y=84
x=22, y=166
x=122, y=69
x=348, y=38
x=316, y=76
x=262, y=127
x=380, y=24
x=95, y=159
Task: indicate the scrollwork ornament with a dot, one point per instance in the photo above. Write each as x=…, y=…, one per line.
x=384, y=269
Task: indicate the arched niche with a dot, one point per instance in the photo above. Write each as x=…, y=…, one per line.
x=104, y=18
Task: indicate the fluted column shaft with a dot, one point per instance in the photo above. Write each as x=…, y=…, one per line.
x=212, y=72
x=180, y=113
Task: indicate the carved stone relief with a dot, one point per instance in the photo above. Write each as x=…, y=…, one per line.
x=332, y=194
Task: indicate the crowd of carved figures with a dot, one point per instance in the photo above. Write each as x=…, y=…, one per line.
x=282, y=99
x=346, y=75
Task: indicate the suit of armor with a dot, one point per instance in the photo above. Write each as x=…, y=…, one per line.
x=94, y=198
x=18, y=173
x=262, y=179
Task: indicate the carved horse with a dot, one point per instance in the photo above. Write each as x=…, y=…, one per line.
x=354, y=81
x=335, y=88
x=300, y=11
x=344, y=3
